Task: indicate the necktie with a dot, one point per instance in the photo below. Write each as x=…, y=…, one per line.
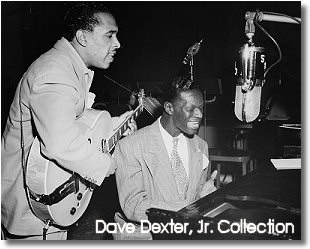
x=178, y=170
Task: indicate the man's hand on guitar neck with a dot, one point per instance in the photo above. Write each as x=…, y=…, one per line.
x=117, y=121
x=132, y=127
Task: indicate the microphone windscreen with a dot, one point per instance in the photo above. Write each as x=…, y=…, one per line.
x=247, y=105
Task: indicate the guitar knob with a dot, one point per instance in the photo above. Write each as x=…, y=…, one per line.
x=72, y=211
x=79, y=196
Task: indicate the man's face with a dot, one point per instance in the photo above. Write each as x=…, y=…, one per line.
x=188, y=112
x=102, y=42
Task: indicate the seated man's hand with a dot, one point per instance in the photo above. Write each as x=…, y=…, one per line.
x=209, y=187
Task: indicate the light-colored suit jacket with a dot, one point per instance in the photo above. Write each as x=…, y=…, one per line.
x=50, y=96
x=145, y=179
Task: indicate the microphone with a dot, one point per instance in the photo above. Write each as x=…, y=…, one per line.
x=192, y=51
x=249, y=70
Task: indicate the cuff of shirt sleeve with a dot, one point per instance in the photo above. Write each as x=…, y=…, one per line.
x=104, y=168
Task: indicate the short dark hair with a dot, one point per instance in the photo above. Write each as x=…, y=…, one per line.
x=82, y=16
x=178, y=85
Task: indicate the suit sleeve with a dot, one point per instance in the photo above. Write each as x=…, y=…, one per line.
x=53, y=108
x=133, y=196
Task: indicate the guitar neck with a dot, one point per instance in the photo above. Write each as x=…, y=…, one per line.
x=111, y=142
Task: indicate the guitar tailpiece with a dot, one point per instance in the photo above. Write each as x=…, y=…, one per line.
x=44, y=199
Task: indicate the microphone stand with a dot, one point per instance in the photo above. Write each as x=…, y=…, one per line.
x=120, y=85
x=191, y=65
x=190, y=57
x=193, y=50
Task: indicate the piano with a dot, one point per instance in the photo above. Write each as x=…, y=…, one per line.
x=262, y=205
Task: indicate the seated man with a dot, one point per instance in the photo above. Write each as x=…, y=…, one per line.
x=164, y=165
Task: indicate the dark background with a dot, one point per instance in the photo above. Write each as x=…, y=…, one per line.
x=155, y=37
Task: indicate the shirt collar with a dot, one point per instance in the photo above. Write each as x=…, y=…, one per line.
x=80, y=68
x=165, y=134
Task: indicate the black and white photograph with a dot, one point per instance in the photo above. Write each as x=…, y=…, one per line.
x=152, y=120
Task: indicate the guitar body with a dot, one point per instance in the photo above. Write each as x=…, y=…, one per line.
x=43, y=176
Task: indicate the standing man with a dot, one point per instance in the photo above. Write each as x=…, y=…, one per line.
x=51, y=95
x=164, y=165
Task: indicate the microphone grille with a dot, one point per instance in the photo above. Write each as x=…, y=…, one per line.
x=247, y=105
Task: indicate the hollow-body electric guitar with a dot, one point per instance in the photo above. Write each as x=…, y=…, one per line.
x=60, y=196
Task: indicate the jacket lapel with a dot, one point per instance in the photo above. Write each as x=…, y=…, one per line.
x=158, y=162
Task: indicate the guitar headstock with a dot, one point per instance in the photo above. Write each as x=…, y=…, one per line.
x=136, y=99
x=141, y=96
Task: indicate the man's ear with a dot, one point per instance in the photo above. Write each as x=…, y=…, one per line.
x=81, y=37
x=168, y=108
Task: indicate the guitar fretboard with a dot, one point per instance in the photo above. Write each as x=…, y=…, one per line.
x=120, y=131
